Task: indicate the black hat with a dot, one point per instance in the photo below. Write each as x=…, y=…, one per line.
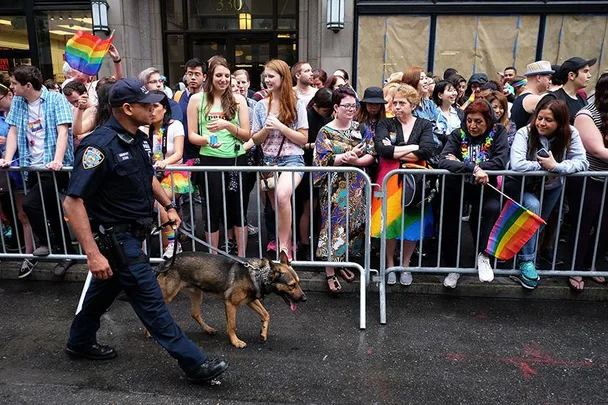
x=373, y=95
x=573, y=65
x=132, y=91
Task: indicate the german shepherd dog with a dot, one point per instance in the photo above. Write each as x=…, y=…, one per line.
x=237, y=284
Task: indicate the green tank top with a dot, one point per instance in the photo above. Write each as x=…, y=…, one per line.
x=228, y=141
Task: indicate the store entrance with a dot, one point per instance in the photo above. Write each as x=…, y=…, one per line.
x=249, y=52
x=9, y=58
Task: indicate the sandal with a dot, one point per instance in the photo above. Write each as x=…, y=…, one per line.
x=578, y=287
x=346, y=274
x=599, y=280
x=333, y=284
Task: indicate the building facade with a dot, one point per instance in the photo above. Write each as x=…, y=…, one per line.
x=378, y=37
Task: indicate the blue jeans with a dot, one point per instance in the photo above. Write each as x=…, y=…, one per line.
x=291, y=160
x=146, y=298
x=532, y=202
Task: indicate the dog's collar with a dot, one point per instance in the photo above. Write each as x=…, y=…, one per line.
x=262, y=279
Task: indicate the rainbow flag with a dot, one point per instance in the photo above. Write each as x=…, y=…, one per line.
x=512, y=230
x=84, y=52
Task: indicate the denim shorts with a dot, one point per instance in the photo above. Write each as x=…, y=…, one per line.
x=293, y=160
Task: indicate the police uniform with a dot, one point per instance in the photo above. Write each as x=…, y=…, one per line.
x=113, y=175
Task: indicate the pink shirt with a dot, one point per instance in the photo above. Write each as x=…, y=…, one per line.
x=271, y=145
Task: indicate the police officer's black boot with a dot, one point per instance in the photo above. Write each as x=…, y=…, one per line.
x=207, y=371
x=95, y=352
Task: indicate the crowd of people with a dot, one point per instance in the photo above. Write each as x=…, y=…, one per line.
x=300, y=117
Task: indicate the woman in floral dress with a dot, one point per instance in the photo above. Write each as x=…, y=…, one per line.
x=342, y=142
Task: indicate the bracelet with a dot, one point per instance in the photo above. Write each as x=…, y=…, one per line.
x=476, y=169
x=117, y=61
x=237, y=130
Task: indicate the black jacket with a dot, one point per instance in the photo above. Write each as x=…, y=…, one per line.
x=422, y=135
x=498, y=155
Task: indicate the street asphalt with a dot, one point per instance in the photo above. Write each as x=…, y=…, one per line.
x=434, y=349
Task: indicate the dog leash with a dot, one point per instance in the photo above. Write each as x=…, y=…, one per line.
x=194, y=238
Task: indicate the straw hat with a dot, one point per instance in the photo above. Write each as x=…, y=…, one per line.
x=542, y=67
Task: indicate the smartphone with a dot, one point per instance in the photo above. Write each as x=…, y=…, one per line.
x=213, y=139
x=542, y=153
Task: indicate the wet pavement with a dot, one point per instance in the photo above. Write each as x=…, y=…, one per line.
x=435, y=349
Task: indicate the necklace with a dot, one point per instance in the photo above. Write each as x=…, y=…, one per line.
x=483, y=153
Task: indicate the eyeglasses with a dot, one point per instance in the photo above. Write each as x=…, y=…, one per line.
x=349, y=106
x=158, y=81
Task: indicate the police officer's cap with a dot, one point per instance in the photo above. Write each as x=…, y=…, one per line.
x=132, y=91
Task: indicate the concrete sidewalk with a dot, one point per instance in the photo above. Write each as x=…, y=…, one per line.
x=314, y=281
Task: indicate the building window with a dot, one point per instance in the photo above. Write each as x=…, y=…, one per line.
x=14, y=46
x=53, y=30
x=246, y=32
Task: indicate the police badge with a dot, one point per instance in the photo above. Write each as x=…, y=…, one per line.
x=92, y=157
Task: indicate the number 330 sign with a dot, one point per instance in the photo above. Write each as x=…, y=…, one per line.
x=229, y=5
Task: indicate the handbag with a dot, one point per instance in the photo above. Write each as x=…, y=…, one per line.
x=267, y=178
x=415, y=185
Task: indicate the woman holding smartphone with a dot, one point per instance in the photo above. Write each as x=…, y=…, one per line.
x=548, y=143
x=218, y=122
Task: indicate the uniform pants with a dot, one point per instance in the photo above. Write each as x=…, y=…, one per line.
x=141, y=288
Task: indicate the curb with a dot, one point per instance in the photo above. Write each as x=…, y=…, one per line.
x=468, y=286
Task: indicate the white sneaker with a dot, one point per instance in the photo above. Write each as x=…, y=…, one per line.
x=171, y=249
x=451, y=280
x=392, y=278
x=485, y=269
x=405, y=278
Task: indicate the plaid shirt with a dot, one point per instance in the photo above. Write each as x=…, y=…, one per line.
x=56, y=111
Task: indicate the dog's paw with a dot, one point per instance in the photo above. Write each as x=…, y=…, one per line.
x=264, y=335
x=239, y=344
x=147, y=334
x=210, y=331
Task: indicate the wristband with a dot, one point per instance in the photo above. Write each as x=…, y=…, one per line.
x=171, y=206
x=117, y=61
x=477, y=168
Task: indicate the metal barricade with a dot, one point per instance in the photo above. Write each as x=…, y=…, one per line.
x=435, y=267
x=66, y=246
x=363, y=268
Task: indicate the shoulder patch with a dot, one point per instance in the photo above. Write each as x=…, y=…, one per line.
x=92, y=157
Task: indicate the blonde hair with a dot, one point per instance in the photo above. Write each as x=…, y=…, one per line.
x=395, y=77
x=409, y=93
x=390, y=89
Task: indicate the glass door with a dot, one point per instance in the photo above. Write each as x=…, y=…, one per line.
x=204, y=47
x=251, y=55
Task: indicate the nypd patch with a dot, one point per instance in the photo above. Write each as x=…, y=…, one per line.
x=92, y=158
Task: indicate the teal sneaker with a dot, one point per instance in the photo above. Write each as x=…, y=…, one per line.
x=528, y=278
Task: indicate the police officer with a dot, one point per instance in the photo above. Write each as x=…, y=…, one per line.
x=113, y=185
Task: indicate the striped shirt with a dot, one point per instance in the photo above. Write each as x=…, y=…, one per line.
x=595, y=164
x=56, y=110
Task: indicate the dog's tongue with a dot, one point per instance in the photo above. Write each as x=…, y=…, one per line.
x=292, y=306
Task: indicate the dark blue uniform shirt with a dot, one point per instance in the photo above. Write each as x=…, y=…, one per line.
x=114, y=175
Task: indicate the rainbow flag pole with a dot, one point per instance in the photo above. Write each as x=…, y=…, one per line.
x=84, y=52
x=513, y=228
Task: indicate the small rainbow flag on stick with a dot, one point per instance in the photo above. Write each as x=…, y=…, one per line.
x=512, y=230
x=84, y=52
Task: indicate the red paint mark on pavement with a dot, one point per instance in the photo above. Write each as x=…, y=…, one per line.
x=483, y=315
x=369, y=351
x=532, y=355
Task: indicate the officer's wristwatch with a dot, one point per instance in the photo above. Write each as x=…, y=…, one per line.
x=171, y=206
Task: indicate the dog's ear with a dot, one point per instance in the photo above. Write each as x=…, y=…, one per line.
x=283, y=258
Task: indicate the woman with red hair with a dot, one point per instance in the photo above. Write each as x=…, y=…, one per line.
x=280, y=125
x=477, y=146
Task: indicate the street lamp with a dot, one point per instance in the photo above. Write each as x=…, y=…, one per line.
x=335, y=15
x=244, y=21
x=100, y=16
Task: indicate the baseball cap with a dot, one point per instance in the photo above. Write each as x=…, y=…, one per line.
x=574, y=64
x=132, y=91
